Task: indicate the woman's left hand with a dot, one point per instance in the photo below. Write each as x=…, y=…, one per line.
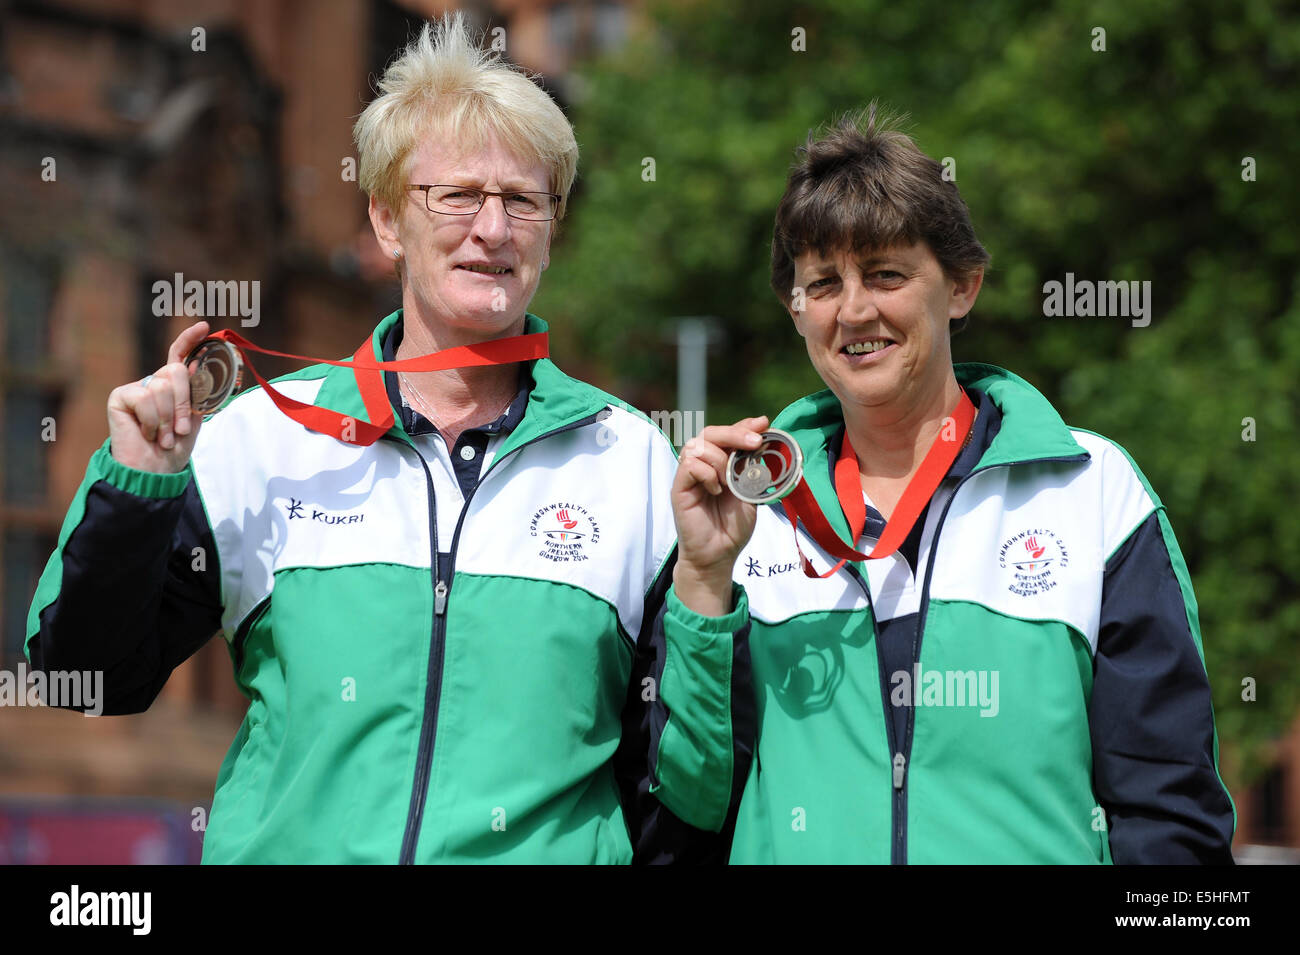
x=713, y=525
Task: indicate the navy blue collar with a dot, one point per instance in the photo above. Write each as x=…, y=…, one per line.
x=415, y=423
x=988, y=422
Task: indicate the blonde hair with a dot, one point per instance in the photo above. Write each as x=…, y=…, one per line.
x=445, y=84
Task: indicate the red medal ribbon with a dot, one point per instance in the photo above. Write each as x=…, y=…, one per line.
x=370, y=379
x=801, y=505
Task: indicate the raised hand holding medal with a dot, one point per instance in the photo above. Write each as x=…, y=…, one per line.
x=713, y=525
x=153, y=423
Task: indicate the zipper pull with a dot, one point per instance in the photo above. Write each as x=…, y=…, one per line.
x=900, y=767
x=440, y=598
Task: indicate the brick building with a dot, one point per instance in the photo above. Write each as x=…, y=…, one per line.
x=140, y=139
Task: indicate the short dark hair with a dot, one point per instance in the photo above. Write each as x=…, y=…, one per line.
x=864, y=185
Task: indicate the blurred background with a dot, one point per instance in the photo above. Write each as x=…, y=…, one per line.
x=144, y=138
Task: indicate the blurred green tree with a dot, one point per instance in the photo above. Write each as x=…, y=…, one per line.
x=1128, y=162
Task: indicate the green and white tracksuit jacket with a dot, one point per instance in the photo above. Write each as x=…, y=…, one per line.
x=502, y=703
x=1022, y=683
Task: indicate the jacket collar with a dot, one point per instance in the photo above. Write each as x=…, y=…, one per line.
x=411, y=419
x=1031, y=430
x=554, y=400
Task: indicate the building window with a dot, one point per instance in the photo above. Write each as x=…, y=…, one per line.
x=30, y=392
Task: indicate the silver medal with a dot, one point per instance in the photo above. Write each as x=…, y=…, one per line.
x=217, y=375
x=769, y=472
x=754, y=480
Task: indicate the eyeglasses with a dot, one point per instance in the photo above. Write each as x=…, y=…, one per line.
x=450, y=200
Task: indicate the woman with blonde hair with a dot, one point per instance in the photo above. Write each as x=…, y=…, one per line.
x=441, y=626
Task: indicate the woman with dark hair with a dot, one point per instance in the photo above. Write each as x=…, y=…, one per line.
x=1004, y=663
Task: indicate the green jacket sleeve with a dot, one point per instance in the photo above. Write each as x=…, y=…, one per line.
x=703, y=726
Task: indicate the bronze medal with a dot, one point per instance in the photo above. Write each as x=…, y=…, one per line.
x=217, y=375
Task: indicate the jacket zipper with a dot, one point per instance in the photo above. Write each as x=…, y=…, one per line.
x=437, y=645
x=433, y=682
x=902, y=755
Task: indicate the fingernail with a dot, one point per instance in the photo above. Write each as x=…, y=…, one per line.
x=752, y=439
x=167, y=441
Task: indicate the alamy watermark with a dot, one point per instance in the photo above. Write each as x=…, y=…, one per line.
x=920, y=687
x=677, y=426
x=71, y=689
x=80, y=908
x=211, y=299
x=1083, y=298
